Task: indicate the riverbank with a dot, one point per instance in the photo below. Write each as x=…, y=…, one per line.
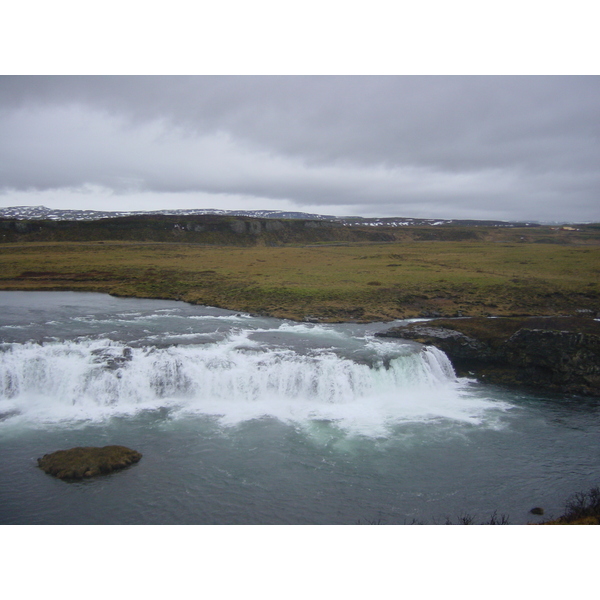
x=582, y=508
x=559, y=354
x=325, y=283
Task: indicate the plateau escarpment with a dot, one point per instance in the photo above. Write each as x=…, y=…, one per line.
x=190, y=229
x=556, y=353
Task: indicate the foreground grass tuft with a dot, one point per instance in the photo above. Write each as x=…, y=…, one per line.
x=582, y=508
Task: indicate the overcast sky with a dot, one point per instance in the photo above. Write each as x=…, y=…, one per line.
x=478, y=147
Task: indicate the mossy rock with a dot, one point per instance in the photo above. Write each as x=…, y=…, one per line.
x=84, y=462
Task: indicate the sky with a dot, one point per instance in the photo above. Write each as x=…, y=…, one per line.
x=464, y=147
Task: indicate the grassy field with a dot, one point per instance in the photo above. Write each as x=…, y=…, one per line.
x=332, y=282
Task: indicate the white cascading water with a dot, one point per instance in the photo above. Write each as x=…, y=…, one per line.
x=235, y=379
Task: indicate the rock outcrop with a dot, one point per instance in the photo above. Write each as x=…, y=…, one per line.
x=84, y=462
x=555, y=353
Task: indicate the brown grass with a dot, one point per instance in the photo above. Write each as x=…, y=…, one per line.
x=337, y=282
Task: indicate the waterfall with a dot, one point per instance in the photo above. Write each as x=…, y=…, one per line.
x=234, y=379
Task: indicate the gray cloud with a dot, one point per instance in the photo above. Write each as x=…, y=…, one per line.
x=501, y=147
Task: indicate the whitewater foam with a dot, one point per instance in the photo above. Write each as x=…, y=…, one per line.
x=235, y=379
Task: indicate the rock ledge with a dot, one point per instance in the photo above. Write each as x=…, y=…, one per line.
x=557, y=353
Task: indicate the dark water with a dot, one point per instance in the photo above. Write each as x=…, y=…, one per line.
x=254, y=420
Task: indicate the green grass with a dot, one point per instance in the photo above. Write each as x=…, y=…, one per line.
x=334, y=282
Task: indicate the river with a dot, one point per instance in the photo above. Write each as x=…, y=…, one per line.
x=252, y=420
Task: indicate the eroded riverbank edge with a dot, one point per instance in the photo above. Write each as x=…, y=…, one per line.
x=560, y=354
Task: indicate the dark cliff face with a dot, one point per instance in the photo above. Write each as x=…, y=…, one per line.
x=572, y=359
x=205, y=229
x=560, y=354
x=456, y=345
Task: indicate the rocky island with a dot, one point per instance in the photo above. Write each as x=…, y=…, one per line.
x=84, y=462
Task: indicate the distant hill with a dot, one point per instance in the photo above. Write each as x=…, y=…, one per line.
x=50, y=214
x=229, y=228
x=44, y=213
x=207, y=229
